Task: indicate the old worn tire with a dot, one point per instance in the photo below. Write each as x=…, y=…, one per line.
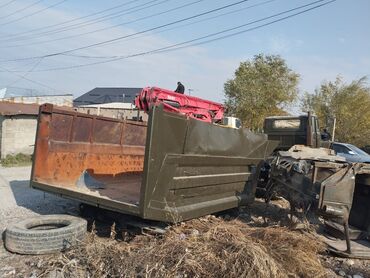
x=45, y=234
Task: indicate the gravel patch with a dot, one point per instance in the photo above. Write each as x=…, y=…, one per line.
x=19, y=200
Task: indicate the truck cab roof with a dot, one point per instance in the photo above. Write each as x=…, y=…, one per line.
x=286, y=117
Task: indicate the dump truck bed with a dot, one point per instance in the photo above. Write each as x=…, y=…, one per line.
x=169, y=169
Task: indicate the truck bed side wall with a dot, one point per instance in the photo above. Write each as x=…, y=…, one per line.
x=194, y=168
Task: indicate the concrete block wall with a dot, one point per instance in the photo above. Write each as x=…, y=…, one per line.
x=1, y=132
x=115, y=113
x=62, y=100
x=18, y=134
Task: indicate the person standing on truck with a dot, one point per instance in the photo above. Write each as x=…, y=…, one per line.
x=180, y=88
x=325, y=135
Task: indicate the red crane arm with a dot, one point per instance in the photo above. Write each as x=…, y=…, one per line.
x=197, y=108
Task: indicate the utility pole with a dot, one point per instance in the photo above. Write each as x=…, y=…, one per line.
x=334, y=126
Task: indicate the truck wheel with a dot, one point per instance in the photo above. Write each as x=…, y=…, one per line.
x=45, y=234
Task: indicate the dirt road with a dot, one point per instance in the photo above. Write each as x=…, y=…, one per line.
x=19, y=201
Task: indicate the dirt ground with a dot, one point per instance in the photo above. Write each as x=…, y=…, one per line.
x=257, y=241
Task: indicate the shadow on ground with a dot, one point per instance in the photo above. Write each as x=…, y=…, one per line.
x=38, y=201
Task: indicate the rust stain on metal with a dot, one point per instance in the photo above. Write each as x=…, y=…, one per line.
x=69, y=143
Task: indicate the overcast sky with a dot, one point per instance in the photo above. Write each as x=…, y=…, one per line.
x=319, y=45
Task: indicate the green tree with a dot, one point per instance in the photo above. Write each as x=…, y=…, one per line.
x=261, y=87
x=348, y=103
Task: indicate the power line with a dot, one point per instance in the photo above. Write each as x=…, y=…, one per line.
x=22, y=9
x=203, y=20
x=193, y=42
x=106, y=28
x=25, y=74
x=114, y=15
x=110, y=16
x=137, y=8
x=6, y=4
x=173, y=28
x=71, y=20
x=34, y=13
x=87, y=23
x=30, y=80
x=133, y=34
x=243, y=31
x=15, y=69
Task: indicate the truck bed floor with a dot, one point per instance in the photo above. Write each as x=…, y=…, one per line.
x=122, y=188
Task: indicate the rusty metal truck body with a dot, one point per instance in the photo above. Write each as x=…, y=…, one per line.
x=172, y=168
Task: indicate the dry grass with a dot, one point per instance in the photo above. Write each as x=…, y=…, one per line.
x=16, y=160
x=206, y=247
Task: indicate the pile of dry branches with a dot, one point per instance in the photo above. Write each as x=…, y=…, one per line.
x=206, y=247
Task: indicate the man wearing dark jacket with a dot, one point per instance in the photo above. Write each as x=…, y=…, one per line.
x=180, y=88
x=325, y=135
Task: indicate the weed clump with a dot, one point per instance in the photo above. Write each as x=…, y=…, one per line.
x=19, y=159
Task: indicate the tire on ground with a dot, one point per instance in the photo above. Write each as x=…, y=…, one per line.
x=45, y=234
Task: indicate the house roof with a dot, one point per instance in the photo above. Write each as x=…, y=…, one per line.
x=11, y=109
x=107, y=95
